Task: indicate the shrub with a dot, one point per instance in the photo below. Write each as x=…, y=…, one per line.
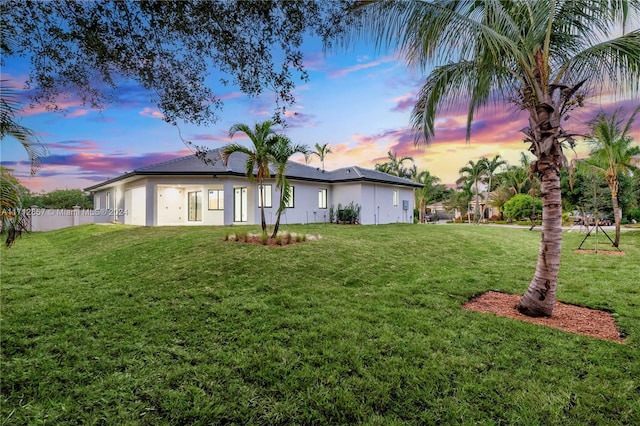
x=279, y=240
x=287, y=238
x=264, y=238
x=349, y=213
x=634, y=215
x=521, y=207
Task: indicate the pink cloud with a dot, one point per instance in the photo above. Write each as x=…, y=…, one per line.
x=232, y=95
x=298, y=119
x=63, y=105
x=151, y=112
x=75, y=145
x=315, y=61
x=404, y=102
x=358, y=67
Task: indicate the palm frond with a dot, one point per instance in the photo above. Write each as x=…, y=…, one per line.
x=9, y=127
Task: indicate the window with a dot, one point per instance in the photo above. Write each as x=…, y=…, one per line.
x=240, y=204
x=322, y=199
x=195, y=206
x=396, y=197
x=290, y=203
x=108, y=203
x=216, y=199
x=96, y=202
x=266, y=195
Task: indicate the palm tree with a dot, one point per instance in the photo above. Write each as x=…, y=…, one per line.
x=12, y=219
x=281, y=151
x=425, y=195
x=536, y=53
x=491, y=166
x=10, y=196
x=461, y=198
x=612, y=155
x=499, y=198
x=474, y=172
x=11, y=128
x=322, y=151
x=395, y=165
x=257, y=165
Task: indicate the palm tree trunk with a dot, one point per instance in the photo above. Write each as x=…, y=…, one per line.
x=262, y=217
x=540, y=297
x=476, y=214
x=616, y=211
x=277, y=225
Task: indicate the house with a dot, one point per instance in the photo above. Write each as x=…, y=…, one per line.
x=188, y=191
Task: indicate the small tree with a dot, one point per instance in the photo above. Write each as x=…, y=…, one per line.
x=522, y=206
x=257, y=164
x=612, y=155
x=474, y=172
x=281, y=151
x=321, y=152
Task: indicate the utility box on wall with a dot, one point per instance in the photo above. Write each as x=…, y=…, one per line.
x=405, y=204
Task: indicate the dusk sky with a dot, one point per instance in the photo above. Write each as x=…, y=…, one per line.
x=359, y=102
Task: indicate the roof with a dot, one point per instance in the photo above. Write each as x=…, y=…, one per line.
x=192, y=165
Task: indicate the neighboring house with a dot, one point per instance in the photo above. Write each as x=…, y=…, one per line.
x=187, y=191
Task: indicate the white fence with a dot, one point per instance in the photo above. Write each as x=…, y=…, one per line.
x=51, y=219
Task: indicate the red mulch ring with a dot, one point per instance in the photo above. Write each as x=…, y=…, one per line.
x=571, y=318
x=612, y=252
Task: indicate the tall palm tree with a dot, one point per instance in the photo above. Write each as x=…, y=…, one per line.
x=612, y=152
x=322, y=151
x=395, y=165
x=491, y=166
x=536, y=53
x=425, y=195
x=461, y=198
x=281, y=151
x=263, y=138
x=474, y=172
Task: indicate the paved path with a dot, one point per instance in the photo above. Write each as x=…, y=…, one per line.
x=575, y=228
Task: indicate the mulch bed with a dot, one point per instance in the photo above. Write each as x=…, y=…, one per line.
x=566, y=317
x=611, y=252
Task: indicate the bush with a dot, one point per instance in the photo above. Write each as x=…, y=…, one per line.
x=521, y=207
x=350, y=213
x=634, y=215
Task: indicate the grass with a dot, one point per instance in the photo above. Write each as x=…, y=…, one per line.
x=133, y=325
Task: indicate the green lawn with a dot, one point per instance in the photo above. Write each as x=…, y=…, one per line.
x=132, y=325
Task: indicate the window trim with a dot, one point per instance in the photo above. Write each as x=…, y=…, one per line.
x=291, y=203
x=198, y=207
x=240, y=207
x=219, y=199
x=268, y=195
x=323, y=196
x=396, y=198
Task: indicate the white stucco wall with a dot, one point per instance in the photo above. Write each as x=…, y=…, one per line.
x=135, y=200
x=163, y=201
